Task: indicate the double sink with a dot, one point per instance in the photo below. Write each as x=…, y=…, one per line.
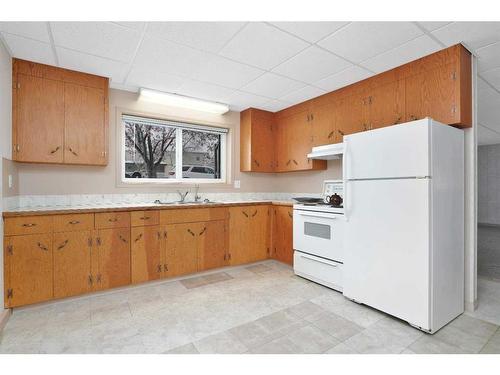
x=203, y=202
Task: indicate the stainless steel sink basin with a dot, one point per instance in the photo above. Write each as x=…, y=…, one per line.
x=206, y=201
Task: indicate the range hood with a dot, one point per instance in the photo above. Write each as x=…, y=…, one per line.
x=327, y=152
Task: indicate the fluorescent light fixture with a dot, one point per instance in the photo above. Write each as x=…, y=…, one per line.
x=182, y=101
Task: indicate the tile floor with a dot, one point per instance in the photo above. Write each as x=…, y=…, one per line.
x=262, y=308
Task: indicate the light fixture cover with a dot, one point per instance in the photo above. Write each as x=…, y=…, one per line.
x=182, y=101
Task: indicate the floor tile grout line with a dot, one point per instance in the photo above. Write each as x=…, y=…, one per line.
x=489, y=339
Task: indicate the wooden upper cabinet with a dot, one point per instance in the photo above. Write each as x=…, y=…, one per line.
x=256, y=141
x=386, y=105
x=85, y=133
x=59, y=116
x=323, y=124
x=38, y=117
x=351, y=115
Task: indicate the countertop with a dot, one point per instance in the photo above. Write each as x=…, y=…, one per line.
x=57, y=210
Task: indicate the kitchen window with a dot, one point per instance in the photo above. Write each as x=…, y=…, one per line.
x=166, y=151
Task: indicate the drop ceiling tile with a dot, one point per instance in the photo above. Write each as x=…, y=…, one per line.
x=33, y=30
x=346, y=77
x=243, y=100
x=272, y=86
x=154, y=80
x=473, y=34
x=82, y=62
x=488, y=57
x=487, y=136
x=207, y=36
x=493, y=77
x=303, y=94
x=262, y=45
x=275, y=105
x=29, y=49
x=103, y=39
x=433, y=25
x=310, y=31
x=412, y=50
x=163, y=56
x=359, y=41
x=224, y=72
x=311, y=65
x=202, y=90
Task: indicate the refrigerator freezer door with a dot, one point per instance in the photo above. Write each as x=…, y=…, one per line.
x=391, y=152
x=386, y=257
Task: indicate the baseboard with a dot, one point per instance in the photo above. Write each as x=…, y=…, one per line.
x=4, y=317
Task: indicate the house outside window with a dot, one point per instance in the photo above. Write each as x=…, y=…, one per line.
x=168, y=151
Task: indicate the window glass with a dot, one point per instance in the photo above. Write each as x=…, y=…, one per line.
x=202, y=150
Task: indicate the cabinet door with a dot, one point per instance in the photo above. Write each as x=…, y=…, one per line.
x=281, y=157
x=299, y=141
x=29, y=269
x=84, y=135
x=432, y=94
x=113, y=252
x=350, y=115
x=262, y=142
x=240, y=241
x=146, y=263
x=283, y=246
x=213, y=245
x=38, y=120
x=181, y=249
x=323, y=124
x=387, y=105
x=258, y=232
x=72, y=273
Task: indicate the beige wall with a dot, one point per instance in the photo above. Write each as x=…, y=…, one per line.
x=37, y=179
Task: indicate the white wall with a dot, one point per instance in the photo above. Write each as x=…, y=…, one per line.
x=5, y=132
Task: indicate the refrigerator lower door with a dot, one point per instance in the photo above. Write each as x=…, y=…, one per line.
x=386, y=252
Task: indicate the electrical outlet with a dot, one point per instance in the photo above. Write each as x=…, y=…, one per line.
x=10, y=181
x=237, y=184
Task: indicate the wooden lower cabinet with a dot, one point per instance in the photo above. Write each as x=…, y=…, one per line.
x=282, y=234
x=181, y=255
x=146, y=253
x=113, y=258
x=248, y=234
x=213, y=245
x=28, y=269
x=72, y=263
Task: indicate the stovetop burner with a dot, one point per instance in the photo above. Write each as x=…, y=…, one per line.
x=322, y=204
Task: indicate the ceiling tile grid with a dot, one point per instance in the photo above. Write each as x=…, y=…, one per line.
x=261, y=64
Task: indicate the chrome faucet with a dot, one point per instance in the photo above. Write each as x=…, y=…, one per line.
x=182, y=195
x=196, y=190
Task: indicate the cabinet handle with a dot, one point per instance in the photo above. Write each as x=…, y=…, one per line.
x=98, y=241
x=290, y=214
x=138, y=237
x=74, y=222
x=165, y=234
x=256, y=162
x=312, y=116
x=29, y=225
x=330, y=135
x=159, y=268
x=203, y=231
x=55, y=150
x=122, y=239
x=190, y=232
x=244, y=213
x=91, y=280
x=397, y=120
x=412, y=117
x=165, y=267
x=255, y=213
x=158, y=234
x=288, y=162
x=295, y=162
x=89, y=242
x=340, y=132
x=61, y=246
x=113, y=220
x=99, y=278
x=145, y=218
x=42, y=246
x=72, y=151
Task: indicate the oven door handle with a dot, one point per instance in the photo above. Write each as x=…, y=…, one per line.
x=319, y=260
x=318, y=215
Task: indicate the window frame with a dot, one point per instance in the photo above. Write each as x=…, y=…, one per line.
x=225, y=134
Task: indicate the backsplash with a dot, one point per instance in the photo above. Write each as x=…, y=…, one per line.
x=96, y=200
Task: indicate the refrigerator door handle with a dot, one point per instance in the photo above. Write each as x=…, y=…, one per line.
x=345, y=161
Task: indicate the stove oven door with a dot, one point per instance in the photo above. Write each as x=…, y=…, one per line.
x=319, y=233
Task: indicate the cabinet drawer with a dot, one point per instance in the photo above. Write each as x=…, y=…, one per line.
x=319, y=270
x=76, y=222
x=28, y=225
x=141, y=218
x=191, y=215
x=112, y=220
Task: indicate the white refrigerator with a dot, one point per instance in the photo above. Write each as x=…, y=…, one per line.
x=404, y=206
